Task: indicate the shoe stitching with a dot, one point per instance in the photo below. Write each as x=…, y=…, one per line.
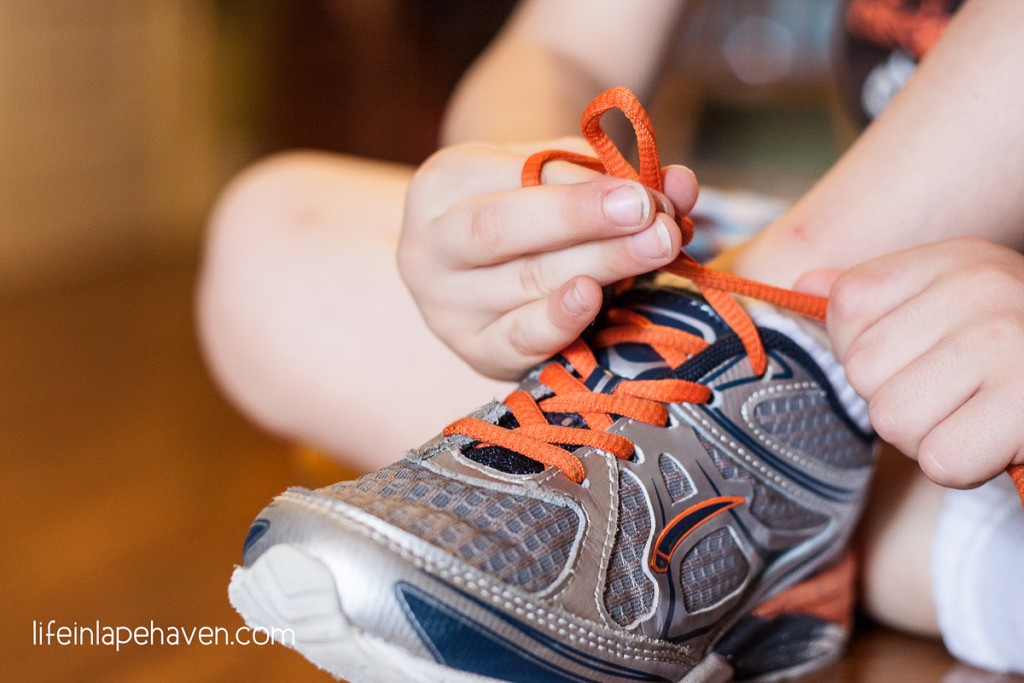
x=498, y=594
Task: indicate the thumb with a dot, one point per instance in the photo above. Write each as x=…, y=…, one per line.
x=817, y=282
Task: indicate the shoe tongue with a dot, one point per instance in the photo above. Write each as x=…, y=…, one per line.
x=681, y=309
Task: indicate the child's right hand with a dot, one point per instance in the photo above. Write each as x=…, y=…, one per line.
x=932, y=338
x=507, y=276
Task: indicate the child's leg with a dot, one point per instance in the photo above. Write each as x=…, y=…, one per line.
x=895, y=545
x=305, y=321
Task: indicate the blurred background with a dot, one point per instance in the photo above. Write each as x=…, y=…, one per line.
x=128, y=482
x=122, y=119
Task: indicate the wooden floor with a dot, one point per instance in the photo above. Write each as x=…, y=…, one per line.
x=128, y=485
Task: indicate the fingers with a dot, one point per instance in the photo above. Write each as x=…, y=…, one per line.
x=889, y=312
x=507, y=275
x=925, y=392
x=537, y=330
x=932, y=339
x=497, y=228
x=571, y=308
x=538, y=305
x=605, y=261
x=908, y=332
x=974, y=445
x=955, y=409
x=864, y=294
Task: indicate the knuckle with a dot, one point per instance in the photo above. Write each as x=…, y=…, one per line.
x=447, y=157
x=439, y=321
x=579, y=213
x=523, y=349
x=847, y=299
x=857, y=366
x=1002, y=329
x=519, y=340
x=967, y=244
x=423, y=177
x=888, y=422
x=1011, y=273
x=479, y=358
x=435, y=174
x=613, y=264
x=414, y=262
x=487, y=227
x=988, y=277
x=998, y=280
x=533, y=277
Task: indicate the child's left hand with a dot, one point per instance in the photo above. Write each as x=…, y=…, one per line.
x=933, y=339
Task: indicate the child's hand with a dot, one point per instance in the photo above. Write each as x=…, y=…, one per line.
x=933, y=339
x=508, y=276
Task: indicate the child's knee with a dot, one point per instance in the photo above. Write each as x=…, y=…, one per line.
x=273, y=199
x=271, y=220
x=252, y=245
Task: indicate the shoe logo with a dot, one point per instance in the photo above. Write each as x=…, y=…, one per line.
x=684, y=524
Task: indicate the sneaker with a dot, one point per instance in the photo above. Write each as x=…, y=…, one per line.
x=669, y=499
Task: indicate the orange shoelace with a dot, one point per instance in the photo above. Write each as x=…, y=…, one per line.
x=641, y=400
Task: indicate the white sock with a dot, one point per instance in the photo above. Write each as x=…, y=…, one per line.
x=978, y=576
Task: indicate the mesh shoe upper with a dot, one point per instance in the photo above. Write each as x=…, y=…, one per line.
x=523, y=541
x=725, y=505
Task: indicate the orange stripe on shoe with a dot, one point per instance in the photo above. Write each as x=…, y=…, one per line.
x=829, y=595
x=1016, y=473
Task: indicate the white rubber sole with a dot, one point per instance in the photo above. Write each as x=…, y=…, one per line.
x=287, y=588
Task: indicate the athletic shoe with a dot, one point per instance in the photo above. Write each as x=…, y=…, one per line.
x=669, y=499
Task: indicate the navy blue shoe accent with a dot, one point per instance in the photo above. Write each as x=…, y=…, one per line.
x=602, y=380
x=678, y=309
x=258, y=529
x=757, y=647
x=460, y=642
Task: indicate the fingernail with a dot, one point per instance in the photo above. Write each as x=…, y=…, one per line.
x=628, y=205
x=574, y=302
x=665, y=206
x=653, y=243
